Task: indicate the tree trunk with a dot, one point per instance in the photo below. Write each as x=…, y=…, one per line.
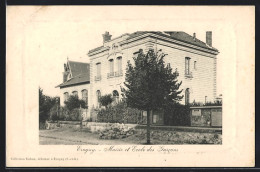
x=148, y=127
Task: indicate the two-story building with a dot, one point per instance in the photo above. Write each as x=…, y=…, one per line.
x=194, y=59
x=75, y=81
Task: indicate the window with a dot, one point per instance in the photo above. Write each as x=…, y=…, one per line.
x=85, y=95
x=119, y=66
x=98, y=98
x=195, y=65
x=111, y=65
x=111, y=69
x=115, y=96
x=75, y=93
x=66, y=96
x=98, y=77
x=187, y=65
x=187, y=96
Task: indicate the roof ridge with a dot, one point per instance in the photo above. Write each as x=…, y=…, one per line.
x=77, y=62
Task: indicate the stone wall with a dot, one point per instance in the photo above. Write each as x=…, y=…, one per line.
x=96, y=126
x=63, y=124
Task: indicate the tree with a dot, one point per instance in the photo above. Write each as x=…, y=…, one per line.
x=74, y=102
x=106, y=100
x=150, y=84
x=45, y=104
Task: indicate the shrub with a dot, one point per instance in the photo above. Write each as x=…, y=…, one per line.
x=106, y=100
x=119, y=113
x=74, y=102
x=214, y=103
x=45, y=105
x=64, y=114
x=177, y=115
x=75, y=115
x=54, y=113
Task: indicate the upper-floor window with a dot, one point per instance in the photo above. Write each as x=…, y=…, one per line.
x=195, y=65
x=75, y=93
x=187, y=65
x=111, y=65
x=111, y=69
x=85, y=95
x=119, y=66
x=66, y=96
x=98, y=68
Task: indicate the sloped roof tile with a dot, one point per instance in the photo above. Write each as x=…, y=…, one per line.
x=80, y=73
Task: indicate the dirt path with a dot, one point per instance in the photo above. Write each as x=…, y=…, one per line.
x=85, y=137
x=72, y=136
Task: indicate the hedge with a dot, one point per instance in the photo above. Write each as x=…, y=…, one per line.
x=119, y=113
x=63, y=114
x=177, y=115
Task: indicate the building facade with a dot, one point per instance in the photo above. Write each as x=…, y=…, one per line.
x=75, y=82
x=195, y=61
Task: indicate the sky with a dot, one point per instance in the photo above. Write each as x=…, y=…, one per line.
x=53, y=34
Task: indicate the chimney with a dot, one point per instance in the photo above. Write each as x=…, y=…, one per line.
x=209, y=38
x=194, y=36
x=106, y=37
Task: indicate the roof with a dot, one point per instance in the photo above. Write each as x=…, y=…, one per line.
x=183, y=36
x=80, y=73
x=78, y=68
x=176, y=35
x=95, y=49
x=180, y=36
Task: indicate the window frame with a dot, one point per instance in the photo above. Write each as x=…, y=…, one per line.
x=73, y=93
x=98, y=95
x=66, y=96
x=84, y=97
x=115, y=96
x=187, y=66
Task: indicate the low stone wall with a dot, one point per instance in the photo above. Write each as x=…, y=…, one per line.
x=63, y=124
x=98, y=126
x=51, y=125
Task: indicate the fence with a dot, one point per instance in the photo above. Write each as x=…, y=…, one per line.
x=210, y=116
x=63, y=114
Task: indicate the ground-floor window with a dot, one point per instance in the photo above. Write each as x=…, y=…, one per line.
x=66, y=96
x=85, y=95
x=98, y=98
x=115, y=96
x=75, y=93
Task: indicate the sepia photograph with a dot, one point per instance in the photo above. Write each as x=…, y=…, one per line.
x=130, y=86
x=144, y=87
